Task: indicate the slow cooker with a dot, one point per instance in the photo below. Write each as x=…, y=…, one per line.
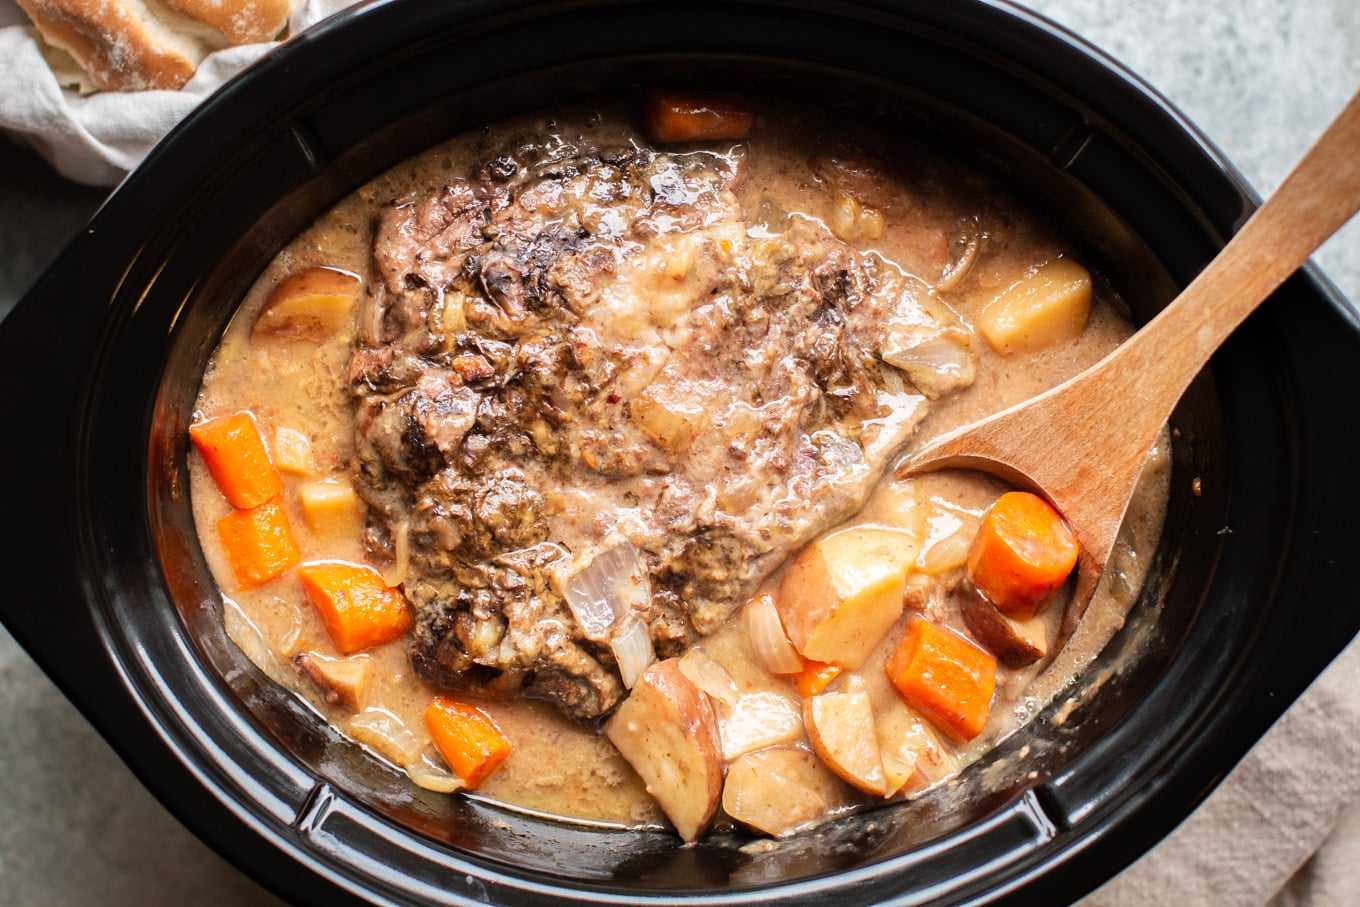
x=104, y=356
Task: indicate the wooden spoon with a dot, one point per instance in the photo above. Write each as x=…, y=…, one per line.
x=1083, y=443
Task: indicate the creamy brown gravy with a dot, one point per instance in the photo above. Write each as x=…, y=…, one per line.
x=559, y=767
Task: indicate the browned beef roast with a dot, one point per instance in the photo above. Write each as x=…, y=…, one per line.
x=594, y=410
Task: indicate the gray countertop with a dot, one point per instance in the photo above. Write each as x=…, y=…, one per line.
x=1259, y=77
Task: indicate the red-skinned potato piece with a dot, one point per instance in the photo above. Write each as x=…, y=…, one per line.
x=781, y=790
x=311, y=303
x=841, y=594
x=667, y=730
x=1015, y=643
x=840, y=727
x=342, y=682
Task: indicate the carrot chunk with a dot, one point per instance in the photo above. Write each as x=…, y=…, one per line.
x=467, y=738
x=232, y=448
x=258, y=543
x=814, y=677
x=689, y=117
x=358, y=608
x=1022, y=554
x=944, y=677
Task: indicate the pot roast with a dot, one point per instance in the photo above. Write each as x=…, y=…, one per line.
x=597, y=402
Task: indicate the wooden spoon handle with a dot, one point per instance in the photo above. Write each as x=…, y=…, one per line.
x=1315, y=200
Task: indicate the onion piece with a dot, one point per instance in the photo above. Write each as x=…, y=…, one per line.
x=937, y=361
x=950, y=535
x=387, y=735
x=432, y=777
x=710, y=677
x=632, y=647
x=250, y=639
x=395, y=573
x=612, y=585
x=769, y=643
x=946, y=553
x=958, y=269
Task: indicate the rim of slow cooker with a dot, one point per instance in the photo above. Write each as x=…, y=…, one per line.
x=168, y=664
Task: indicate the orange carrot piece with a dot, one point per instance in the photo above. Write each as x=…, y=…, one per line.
x=258, y=543
x=691, y=117
x=944, y=677
x=232, y=448
x=1022, y=554
x=814, y=677
x=467, y=738
x=358, y=608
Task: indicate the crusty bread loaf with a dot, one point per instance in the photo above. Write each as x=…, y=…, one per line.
x=131, y=45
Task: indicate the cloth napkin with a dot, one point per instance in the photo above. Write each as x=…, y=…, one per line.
x=97, y=138
x=1283, y=828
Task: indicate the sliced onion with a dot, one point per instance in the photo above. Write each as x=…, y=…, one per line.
x=937, y=362
x=387, y=735
x=769, y=643
x=945, y=554
x=947, y=547
x=710, y=677
x=613, y=584
x=395, y=573
x=432, y=777
x=632, y=647
x=250, y=639
x=958, y=269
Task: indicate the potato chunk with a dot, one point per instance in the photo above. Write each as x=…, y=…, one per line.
x=1047, y=306
x=747, y=720
x=340, y=681
x=781, y=790
x=310, y=303
x=1015, y=643
x=840, y=595
x=292, y=452
x=332, y=507
x=667, y=731
x=913, y=757
x=841, y=728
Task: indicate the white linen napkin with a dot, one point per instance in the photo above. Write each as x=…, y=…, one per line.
x=97, y=138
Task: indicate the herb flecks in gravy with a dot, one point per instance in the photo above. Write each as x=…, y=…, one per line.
x=606, y=424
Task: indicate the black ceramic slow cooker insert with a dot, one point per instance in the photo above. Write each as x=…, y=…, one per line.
x=114, y=601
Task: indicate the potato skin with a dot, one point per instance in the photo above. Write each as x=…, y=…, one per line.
x=667, y=730
x=841, y=594
x=840, y=727
x=1016, y=644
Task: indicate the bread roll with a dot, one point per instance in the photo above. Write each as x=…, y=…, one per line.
x=132, y=45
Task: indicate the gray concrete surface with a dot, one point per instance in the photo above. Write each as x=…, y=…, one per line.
x=1260, y=77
